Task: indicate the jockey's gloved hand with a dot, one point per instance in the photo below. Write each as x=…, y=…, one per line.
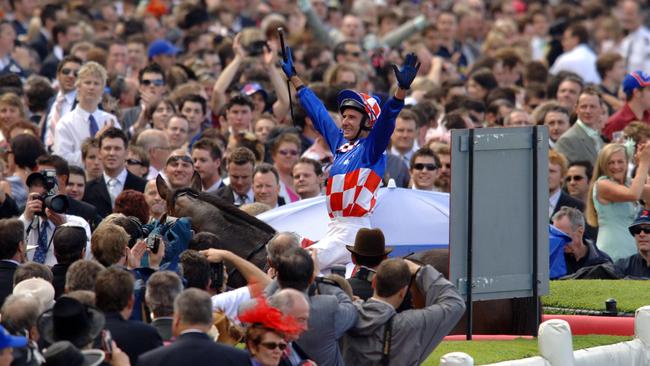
x=408, y=72
x=287, y=64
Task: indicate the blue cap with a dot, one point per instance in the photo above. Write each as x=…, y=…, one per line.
x=7, y=340
x=252, y=88
x=635, y=80
x=162, y=47
x=643, y=218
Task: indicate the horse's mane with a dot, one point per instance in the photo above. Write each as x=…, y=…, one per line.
x=231, y=210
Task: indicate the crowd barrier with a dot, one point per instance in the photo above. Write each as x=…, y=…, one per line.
x=556, y=348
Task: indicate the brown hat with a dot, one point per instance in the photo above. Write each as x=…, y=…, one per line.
x=369, y=243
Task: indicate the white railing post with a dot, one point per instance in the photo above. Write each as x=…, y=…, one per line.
x=456, y=359
x=555, y=342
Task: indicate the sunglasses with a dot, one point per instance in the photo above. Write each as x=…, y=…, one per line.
x=134, y=162
x=638, y=229
x=184, y=158
x=421, y=166
x=288, y=152
x=156, y=82
x=66, y=71
x=576, y=178
x=354, y=53
x=274, y=345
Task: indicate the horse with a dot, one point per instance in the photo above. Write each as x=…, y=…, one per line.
x=247, y=236
x=240, y=233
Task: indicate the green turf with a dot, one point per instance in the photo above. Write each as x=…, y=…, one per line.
x=592, y=294
x=485, y=352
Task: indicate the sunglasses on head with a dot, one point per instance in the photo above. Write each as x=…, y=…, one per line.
x=273, y=345
x=156, y=82
x=175, y=158
x=576, y=178
x=638, y=229
x=421, y=166
x=134, y=162
x=66, y=71
x=288, y=152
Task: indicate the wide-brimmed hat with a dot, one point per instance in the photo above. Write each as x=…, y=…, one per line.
x=39, y=288
x=369, y=243
x=64, y=353
x=70, y=320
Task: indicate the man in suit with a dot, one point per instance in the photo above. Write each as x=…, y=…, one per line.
x=557, y=168
x=50, y=14
x=192, y=320
x=240, y=172
x=207, y=162
x=331, y=312
x=102, y=191
x=13, y=251
x=162, y=288
x=266, y=185
x=114, y=296
x=583, y=141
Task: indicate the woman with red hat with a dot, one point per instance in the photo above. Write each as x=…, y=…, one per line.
x=358, y=148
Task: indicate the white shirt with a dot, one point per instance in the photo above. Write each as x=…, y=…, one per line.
x=73, y=128
x=635, y=48
x=229, y=302
x=407, y=156
x=552, y=200
x=121, y=180
x=581, y=60
x=66, y=106
x=32, y=232
x=214, y=187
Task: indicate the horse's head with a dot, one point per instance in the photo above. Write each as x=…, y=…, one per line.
x=179, y=201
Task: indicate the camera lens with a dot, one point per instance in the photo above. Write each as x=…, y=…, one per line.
x=57, y=203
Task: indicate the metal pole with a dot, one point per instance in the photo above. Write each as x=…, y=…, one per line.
x=470, y=238
x=535, y=230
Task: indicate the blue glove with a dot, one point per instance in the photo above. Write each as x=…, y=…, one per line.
x=287, y=64
x=408, y=72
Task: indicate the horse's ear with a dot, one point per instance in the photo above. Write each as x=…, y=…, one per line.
x=163, y=189
x=196, y=182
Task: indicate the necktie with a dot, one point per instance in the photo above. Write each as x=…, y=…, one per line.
x=112, y=190
x=41, y=251
x=242, y=199
x=93, y=126
x=56, y=115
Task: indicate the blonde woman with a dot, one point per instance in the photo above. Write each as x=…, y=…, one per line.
x=614, y=202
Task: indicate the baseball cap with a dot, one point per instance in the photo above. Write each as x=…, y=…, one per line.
x=643, y=218
x=7, y=340
x=161, y=47
x=634, y=80
x=252, y=88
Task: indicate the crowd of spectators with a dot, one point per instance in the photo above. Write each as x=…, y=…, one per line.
x=99, y=99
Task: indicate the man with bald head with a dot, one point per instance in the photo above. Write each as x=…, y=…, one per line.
x=636, y=45
x=156, y=144
x=179, y=169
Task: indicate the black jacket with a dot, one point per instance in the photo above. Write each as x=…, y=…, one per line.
x=7, y=270
x=194, y=349
x=84, y=210
x=133, y=337
x=96, y=192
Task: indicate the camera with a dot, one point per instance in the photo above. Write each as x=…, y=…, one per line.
x=216, y=275
x=153, y=243
x=256, y=48
x=47, y=179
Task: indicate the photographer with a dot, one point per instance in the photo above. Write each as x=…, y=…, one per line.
x=41, y=221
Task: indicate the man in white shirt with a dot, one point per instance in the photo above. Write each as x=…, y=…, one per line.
x=65, y=99
x=577, y=56
x=635, y=47
x=207, y=162
x=86, y=119
x=41, y=222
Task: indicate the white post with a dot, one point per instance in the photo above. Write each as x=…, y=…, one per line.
x=456, y=359
x=555, y=342
x=642, y=324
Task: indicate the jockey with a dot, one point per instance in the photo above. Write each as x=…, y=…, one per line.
x=359, y=161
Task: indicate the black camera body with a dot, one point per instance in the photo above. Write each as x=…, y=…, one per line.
x=47, y=179
x=216, y=275
x=256, y=48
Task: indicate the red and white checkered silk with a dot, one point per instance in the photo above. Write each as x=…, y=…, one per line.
x=353, y=194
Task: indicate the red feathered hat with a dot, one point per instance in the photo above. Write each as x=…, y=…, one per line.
x=271, y=318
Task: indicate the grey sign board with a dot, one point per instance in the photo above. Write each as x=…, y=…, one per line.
x=499, y=207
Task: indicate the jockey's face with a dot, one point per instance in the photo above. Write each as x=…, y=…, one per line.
x=351, y=123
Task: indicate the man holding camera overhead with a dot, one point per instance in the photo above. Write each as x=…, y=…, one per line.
x=44, y=212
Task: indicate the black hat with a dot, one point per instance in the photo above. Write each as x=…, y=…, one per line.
x=64, y=353
x=70, y=320
x=369, y=243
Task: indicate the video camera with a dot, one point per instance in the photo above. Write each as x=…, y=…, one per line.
x=50, y=198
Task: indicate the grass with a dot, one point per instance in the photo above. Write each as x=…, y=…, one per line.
x=485, y=352
x=592, y=294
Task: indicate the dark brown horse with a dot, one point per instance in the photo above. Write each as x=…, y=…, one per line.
x=238, y=232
